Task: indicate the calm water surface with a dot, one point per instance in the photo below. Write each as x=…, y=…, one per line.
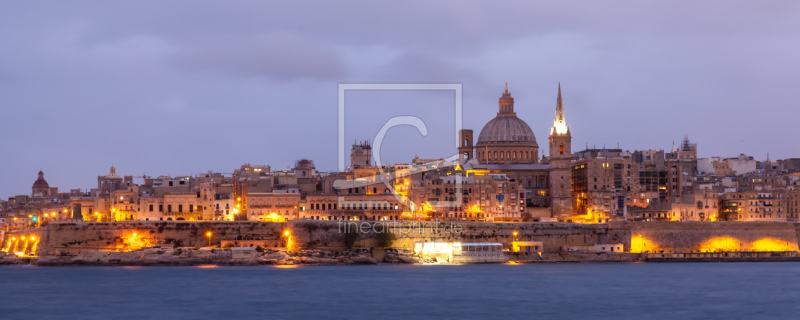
x=543, y=291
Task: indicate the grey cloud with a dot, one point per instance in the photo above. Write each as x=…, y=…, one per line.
x=121, y=76
x=278, y=56
x=421, y=67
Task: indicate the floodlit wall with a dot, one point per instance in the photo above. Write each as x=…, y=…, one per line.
x=556, y=237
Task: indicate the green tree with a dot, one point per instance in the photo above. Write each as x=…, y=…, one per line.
x=385, y=239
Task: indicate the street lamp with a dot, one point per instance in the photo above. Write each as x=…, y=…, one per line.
x=208, y=235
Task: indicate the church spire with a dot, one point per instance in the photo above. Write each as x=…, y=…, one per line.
x=560, y=123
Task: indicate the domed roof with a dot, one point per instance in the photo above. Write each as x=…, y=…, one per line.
x=113, y=174
x=40, y=182
x=506, y=130
x=304, y=164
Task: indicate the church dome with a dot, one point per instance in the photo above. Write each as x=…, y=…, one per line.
x=40, y=182
x=506, y=129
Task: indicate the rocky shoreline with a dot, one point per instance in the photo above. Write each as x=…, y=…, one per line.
x=188, y=256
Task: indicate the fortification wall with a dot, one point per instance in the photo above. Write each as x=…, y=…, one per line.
x=636, y=236
x=707, y=236
x=59, y=237
x=330, y=235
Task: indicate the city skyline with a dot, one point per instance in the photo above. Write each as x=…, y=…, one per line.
x=95, y=86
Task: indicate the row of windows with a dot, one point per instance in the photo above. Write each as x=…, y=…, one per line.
x=169, y=208
x=349, y=218
x=514, y=155
x=349, y=206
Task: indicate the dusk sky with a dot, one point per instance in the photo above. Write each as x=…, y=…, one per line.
x=183, y=87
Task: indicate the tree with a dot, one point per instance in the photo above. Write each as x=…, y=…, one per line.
x=385, y=239
x=350, y=237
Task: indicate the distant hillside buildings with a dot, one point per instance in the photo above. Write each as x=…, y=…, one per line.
x=501, y=177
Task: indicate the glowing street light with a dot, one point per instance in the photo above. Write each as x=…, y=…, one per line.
x=208, y=235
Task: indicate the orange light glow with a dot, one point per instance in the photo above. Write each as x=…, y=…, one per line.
x=771, y=244
x=717, y=244
x=642, y=244
x=286, y=266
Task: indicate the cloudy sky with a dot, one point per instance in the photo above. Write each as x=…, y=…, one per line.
x=182, y=87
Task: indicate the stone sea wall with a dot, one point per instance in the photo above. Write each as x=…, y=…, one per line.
x=75, y=237
x=707, y=236
x=330, y=235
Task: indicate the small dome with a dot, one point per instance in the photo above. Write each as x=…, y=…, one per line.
x=304, y=164
x=40, y=182
x=113, y=174
x=506, y=130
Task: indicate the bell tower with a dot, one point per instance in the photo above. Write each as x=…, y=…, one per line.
x=560, y=163
x=465, y=147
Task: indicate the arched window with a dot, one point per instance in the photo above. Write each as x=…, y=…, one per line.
x=561, y=148
x=495, y=154
x=508, y=154
x=515, y=155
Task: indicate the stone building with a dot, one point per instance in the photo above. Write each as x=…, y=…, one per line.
x=604, y=185
x=274, y=206
x=506, y=145
x=380, y=207
x=758, y=205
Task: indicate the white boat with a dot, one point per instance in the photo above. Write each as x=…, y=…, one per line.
x=458, y=252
